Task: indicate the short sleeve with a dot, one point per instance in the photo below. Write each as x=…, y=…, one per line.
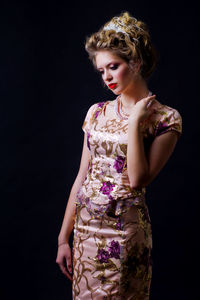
x=170, y=120
x=88, y=119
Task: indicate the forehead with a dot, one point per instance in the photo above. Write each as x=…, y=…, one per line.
x=103, y=58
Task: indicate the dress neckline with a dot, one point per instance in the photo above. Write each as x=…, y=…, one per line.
x=117, y=107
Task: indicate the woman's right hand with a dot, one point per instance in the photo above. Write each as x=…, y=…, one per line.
x=64, y=259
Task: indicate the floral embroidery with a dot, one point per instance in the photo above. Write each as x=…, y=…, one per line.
x=162, y=126
x=118, y=224
x=113, y=251
x=119, y=163
x=103, y=256
x=99, y=106
x=107, y=187
x=102, y=279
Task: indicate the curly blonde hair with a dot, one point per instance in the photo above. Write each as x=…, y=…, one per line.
x=133, y=43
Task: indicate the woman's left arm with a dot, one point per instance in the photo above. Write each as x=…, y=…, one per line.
x=141, y=169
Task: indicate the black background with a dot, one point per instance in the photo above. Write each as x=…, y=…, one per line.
x=47, y=85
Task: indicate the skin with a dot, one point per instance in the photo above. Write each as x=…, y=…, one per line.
x=141, y=169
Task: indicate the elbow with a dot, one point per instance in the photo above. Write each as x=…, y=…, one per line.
x=139, y=183
x=136, y=185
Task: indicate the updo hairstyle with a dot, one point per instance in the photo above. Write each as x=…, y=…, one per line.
x=133, y=46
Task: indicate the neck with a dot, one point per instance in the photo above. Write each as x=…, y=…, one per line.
x=134, y=93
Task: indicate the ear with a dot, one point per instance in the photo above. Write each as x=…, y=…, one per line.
x=138, y=65
x=135, y=66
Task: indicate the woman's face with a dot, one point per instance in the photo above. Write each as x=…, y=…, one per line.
x=114, y=70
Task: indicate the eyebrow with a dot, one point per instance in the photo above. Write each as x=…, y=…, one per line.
x=106, y=65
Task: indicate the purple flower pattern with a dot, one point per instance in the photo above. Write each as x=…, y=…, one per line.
x=113, y=252
x=118, y=224
x=119, y=163
x=114, y=249
x=99, y=106
x=162, y=126
x=103, y=256
x=107, y=187
x=103, y=279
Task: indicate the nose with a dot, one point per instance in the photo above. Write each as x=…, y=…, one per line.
x=107, y=75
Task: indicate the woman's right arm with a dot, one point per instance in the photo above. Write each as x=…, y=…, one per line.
x=68, y=221
x=69, y=217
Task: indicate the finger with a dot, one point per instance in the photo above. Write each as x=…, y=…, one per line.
x=64, y=271
x=150, y=97
x=150, y=100
x=68, y=260
x=149, y=103
x=69, y=263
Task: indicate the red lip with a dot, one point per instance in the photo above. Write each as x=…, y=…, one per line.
x=112, y=85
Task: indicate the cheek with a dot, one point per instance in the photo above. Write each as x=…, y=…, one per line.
x=123, y=74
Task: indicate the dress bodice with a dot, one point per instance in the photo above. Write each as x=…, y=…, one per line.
x=107, y=139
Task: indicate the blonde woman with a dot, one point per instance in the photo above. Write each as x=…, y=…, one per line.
x=127, y=142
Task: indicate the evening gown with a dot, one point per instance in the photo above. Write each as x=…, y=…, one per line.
x=112, y=241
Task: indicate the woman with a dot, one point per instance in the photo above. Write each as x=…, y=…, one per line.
x=124, y=150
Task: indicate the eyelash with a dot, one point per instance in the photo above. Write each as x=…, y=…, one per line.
x=112, y=68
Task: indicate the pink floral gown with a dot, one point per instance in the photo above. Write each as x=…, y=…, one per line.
x=112, y=242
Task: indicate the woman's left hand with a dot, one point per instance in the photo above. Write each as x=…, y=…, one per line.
x=141, y=110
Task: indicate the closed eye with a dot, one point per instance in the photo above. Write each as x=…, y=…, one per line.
x=114, y=67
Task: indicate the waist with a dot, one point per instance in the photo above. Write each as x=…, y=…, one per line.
x=114, y=207
x=100, y=192
x=104, y=198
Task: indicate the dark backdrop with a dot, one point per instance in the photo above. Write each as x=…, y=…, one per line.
x=47, y=85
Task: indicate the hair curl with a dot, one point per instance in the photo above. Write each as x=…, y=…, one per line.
x=124, y=45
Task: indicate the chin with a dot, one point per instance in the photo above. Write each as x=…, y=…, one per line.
x=116, y=92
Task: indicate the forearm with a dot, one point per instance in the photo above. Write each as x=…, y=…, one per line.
x=137, y=165
x=69, y=217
